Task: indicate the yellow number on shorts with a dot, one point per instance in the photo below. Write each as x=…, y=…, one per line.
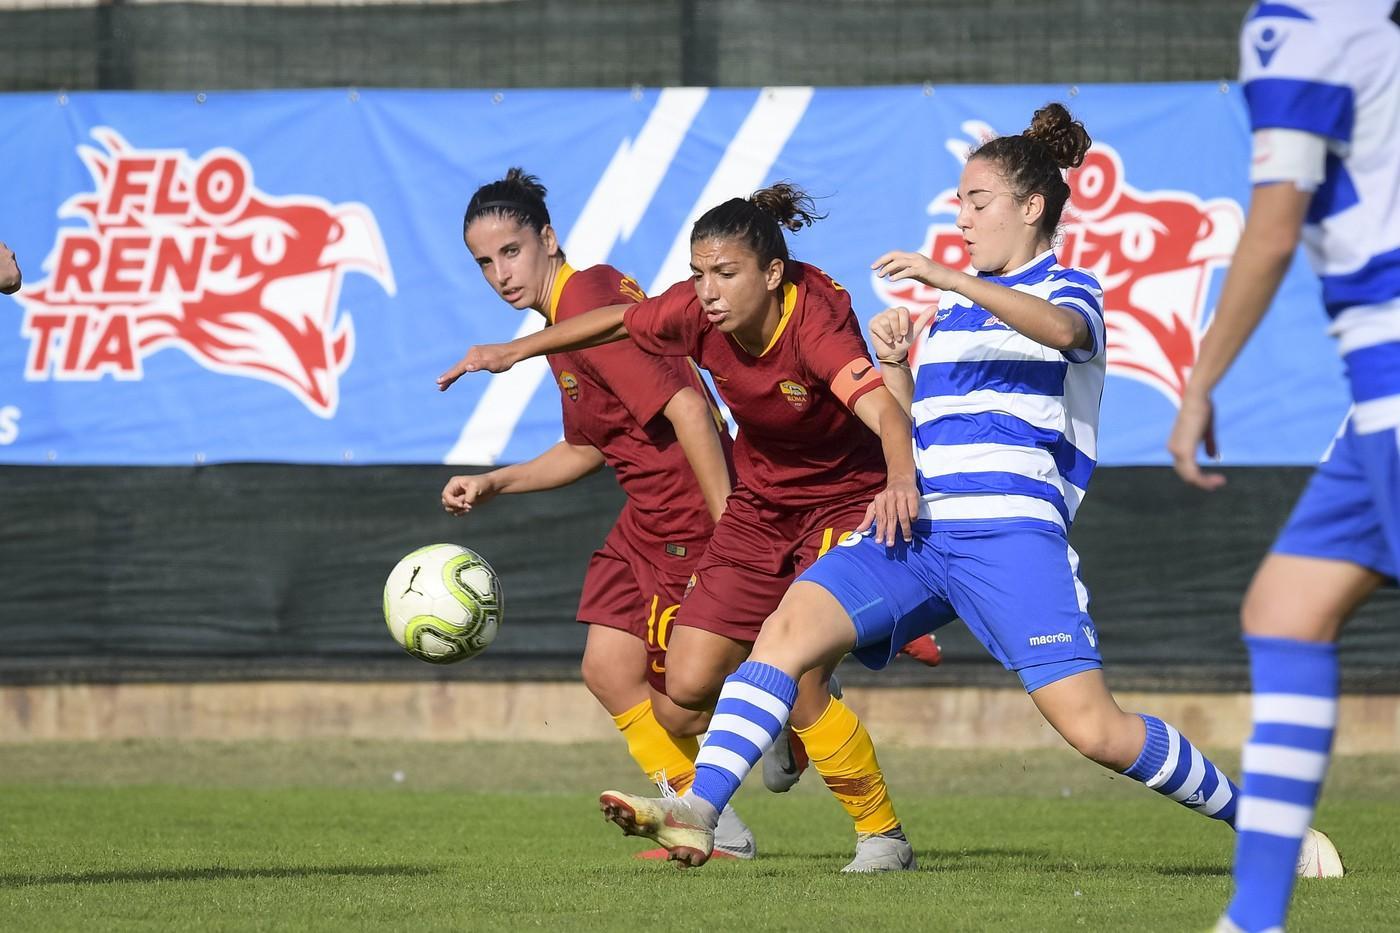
x=831, y=537
x=659, y=626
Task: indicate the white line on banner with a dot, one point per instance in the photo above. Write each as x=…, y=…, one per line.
x=616, y=206
x=745, y=164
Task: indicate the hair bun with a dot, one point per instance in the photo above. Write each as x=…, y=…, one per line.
x=517, y=177
x=1059, y=132
x=792, y=207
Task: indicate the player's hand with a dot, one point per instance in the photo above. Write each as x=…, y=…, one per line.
x=900, y=265
x=462, y=493
x=488, y=357
x=1195, y=425
x=895, y=508
x=892, y=334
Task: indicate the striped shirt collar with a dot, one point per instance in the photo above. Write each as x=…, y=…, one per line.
x=1032, y=271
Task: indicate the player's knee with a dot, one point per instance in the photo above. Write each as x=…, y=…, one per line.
x=1094, y=746
x=1110, y=743
x=787, y=642
x=681, y=722
x=1255, y=611
x=692, y=688
x=780, y=639
x=1263, y=612
x=601, y=679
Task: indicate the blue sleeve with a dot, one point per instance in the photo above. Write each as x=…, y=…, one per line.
x=1080, y=292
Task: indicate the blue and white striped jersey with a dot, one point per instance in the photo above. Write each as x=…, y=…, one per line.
x=1004, y=427
x=1331, y=69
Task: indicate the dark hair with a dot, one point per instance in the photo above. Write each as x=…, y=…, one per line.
x=1032, y=161
x=759, y=219
x=518, y=195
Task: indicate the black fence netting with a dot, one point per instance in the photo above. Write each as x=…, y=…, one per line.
x=266, y=571
x=120, y=44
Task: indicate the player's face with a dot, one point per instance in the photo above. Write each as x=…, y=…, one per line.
x=1001, y=232
x=514, y=258
x=735, y=292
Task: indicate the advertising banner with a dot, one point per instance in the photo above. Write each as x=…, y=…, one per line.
x=280, y=275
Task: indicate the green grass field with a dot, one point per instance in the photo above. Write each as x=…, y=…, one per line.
x=320, y=836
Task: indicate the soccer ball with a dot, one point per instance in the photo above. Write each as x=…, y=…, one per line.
x=442, y=603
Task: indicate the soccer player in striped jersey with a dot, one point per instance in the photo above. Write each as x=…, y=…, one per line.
x=649, y=418
x=1322, y=84
x=820, y=439
x=1005, y=400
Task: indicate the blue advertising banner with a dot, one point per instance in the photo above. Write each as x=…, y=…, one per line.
x=279, y=276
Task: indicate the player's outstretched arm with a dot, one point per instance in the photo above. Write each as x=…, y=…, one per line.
x=560, y=465
x=892, y=337
x=896, y=507
x=591, y=329
x=1271, y=233
x=691, y=416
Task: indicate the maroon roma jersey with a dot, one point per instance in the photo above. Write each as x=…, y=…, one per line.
x=612, y=398
x=799, y=444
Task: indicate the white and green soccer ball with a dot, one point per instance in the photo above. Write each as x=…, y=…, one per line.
x=442, y=603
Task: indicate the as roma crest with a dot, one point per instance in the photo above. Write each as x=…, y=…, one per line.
x=569, y=383
x=795, y=393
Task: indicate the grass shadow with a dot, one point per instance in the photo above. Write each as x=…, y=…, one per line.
x=215, y=873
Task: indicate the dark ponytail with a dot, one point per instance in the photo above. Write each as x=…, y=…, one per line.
x=758, y=221
x=1032, y=161
x=518, y=196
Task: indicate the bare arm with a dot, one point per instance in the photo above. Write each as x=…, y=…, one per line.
x=591, y=329
x=560, y=465
x=898, y=505
x=1047, y=324
x=694, y=423
x=1271, y=233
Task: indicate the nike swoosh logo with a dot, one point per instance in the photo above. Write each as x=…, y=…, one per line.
x=674, y=823
x=862, y=373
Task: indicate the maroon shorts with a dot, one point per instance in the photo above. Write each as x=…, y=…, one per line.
x=624, y=589
x=754, y=554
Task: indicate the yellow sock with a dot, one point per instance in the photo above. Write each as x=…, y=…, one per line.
x=661, y=755
x=841, y=751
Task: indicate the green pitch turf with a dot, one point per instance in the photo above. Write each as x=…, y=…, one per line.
x=322, y=836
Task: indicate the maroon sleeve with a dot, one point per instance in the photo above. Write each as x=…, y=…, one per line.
x=833, y=349
x=571, y=433
x=669, y=324
x=642, y=382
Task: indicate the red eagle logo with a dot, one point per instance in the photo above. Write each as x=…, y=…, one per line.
x=1154, y=252
x=180, y=252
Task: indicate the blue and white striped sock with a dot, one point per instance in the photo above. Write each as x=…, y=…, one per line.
x=1285, y=760
x=752, y=708
x=1175, y=768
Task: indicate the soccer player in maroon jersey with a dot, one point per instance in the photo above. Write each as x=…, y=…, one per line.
x=652, y=420
x=822, y=448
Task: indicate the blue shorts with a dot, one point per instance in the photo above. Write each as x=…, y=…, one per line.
x=1350, y=509
x=1015, y=584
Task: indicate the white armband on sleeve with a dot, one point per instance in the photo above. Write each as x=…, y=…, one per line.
x=1288, y=155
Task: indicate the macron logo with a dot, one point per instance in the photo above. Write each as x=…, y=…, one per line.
x=1059, y=638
